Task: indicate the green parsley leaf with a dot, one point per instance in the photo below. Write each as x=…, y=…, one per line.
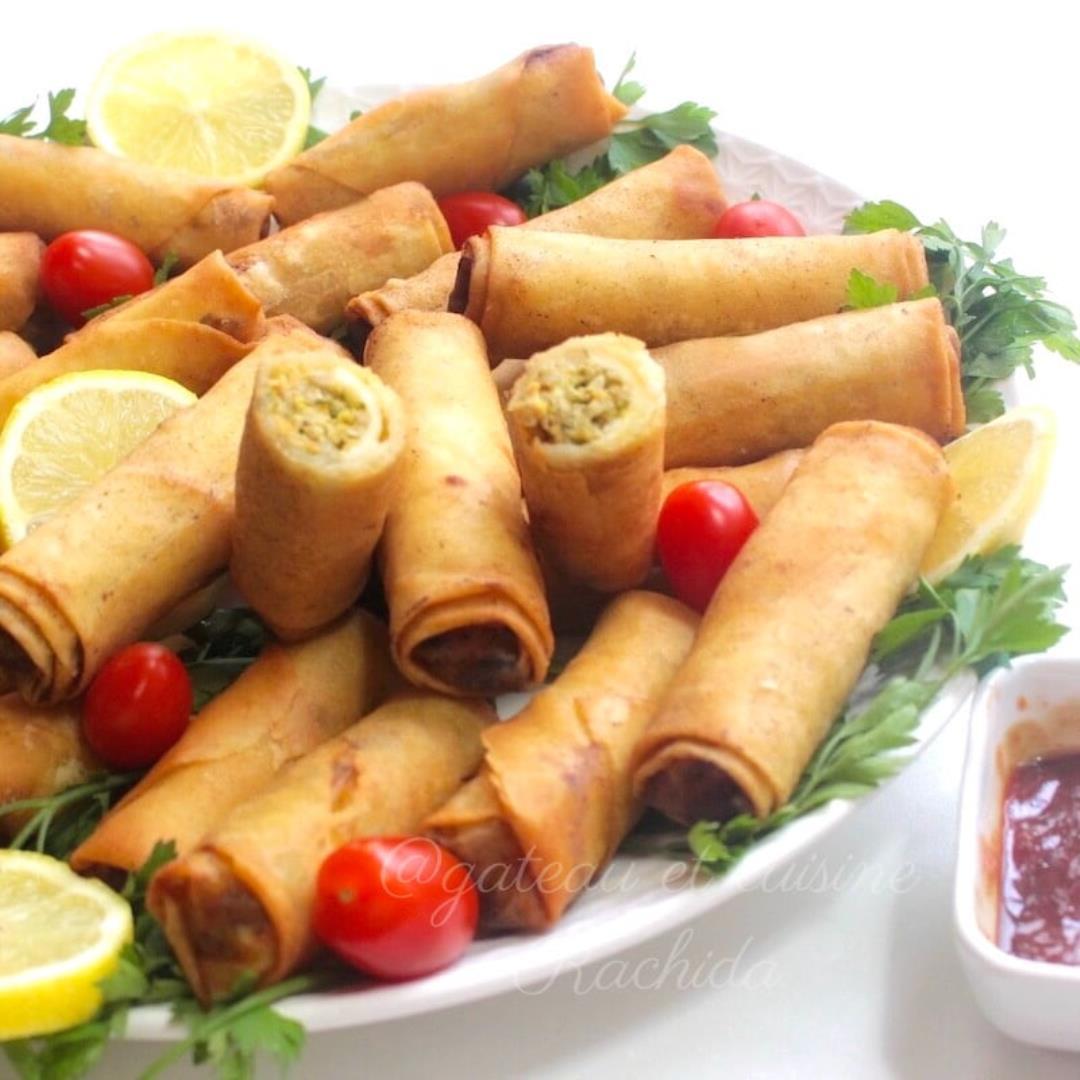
x=864, y=292
x=60, y=128
x=168, y=265
x=221, y=647
x=116, y=301
x=628, y=92
x=18, y=123
x=873, y=217
x=314, y=135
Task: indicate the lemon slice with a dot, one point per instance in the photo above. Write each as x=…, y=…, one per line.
x=67, y=433
x=207, y=103
x=60, y=935
x=999, y=472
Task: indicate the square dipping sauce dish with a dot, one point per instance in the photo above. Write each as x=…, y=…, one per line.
x=1028, y=711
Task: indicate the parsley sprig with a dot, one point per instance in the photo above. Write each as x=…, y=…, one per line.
x=987, y=611
x=999, y=313
x=314, y=134
x=633, y=143
x=60, y=127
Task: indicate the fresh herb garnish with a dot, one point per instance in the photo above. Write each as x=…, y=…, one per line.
x=633, y=143
x=61, y=128
x=100, y=309
x=999, y=314
x=987, y=611
x=168, y=265
x=314, y=134
x=221, y=647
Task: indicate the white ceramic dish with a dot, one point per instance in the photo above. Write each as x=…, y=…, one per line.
x=639, y=897
x=1029, y=709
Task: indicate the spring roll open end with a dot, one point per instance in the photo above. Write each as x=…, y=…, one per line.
x=468, y=298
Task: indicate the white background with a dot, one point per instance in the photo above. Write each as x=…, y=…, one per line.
x=967, y=111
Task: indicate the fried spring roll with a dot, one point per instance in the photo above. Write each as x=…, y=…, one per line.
x=42, y=752
x=313, y=486
x=467, y=607
x=738, y=399
x=99, y=572
x=291, y=700
x=311, y=269
x=241, y=902
x=51, y=189
x=530, y=290
x=587, y=422
x=553, y=800
x=478, y=135
x=15, y=354
x=20, y=269
x=788, y=632
x=678, y=197
x=761, y=482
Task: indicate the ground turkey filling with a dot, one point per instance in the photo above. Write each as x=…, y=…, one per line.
x=317, y=412
x=570, y=403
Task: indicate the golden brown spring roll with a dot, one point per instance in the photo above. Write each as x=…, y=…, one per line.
x=587, y=422
x=241, y=902
x=51, y=189
x=99, y=572
x=42, y=752
x=20, y=269
x=291, y=700
x=478, y=135
x=738, y=399
x=553, y=800
x=313, y=486
x=788, y=632
x=678, y=197
x=15, y=354
x=311, y=269
x=761, y=482
x=529, y=290
x=467, y=607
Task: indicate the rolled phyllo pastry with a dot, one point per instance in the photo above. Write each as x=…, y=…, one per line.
x=20, y=271
x=241, y=902
x=467, y=608
x=529, y=290
x=587, y=421
x=554, y=798
x=478, y=135
x=291, y=700
x=738, y=399
x=311, y=269
x=788, y=632
x=760, y=482
x=15, y=354
x=678, y=197
x=49, y=189
x=103, y=569
x=314, y=481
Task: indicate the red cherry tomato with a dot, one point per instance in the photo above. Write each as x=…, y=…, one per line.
x=703, y=526
x=469, y=213
x=82, y=270
x=395, y=907
x=137, y=706
x=758, y=217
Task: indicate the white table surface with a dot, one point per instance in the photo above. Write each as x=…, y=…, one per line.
x=845, y=968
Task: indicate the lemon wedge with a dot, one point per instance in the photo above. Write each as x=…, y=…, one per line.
x=60, y=935
x=206, y=103
x=67, y=433
x=999, y=472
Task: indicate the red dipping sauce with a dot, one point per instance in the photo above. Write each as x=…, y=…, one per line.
x=1039, y=917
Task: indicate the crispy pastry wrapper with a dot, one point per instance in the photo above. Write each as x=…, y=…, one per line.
x=311, y=269
x=15, y=354
x=788, y=632
x=314, y=482
x=467, y=608
x=678, y=197
x=97, y=574
x=587, y=422
x=51, y=189
x=761, y=482
x=554, y=798
x=42, y=752
x=514, y=284
x=242, y=900
x=472, y=136
x=738, y=399
x=291, y=700
x=20, y=271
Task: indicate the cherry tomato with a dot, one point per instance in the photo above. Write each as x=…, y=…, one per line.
x=469, y=213
x=395, y=907
x=82, y=270
x=137, y=706
x=703, y=526
x=758, y=217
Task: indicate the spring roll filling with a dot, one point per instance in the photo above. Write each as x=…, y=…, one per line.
x=714, y=795
x=483, y=659
x=576, y=400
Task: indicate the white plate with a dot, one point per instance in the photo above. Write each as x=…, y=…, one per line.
x=638, y=897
